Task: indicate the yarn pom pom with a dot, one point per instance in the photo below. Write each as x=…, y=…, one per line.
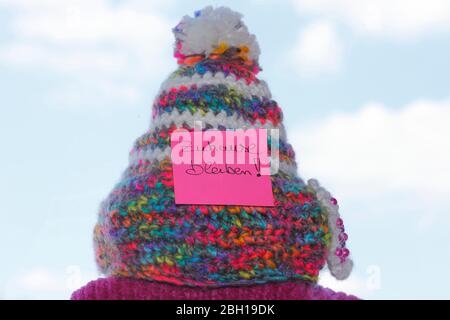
x=212, y=31
x=339, y=270
x=339, y=263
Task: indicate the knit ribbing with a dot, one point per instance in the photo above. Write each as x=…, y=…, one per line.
x=129, y=289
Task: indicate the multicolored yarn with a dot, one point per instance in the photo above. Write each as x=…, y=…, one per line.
x=157, y=142
x=339, y=262
x=217, y=98
x=227, y=67
x=215, y=31
x=257, y=88
x=141, y=233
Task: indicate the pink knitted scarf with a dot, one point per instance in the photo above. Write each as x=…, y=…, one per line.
x=114, y=288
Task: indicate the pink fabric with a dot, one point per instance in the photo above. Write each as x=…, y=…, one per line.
x=114, y=288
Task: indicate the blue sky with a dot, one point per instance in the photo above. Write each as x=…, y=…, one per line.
x=364, y=87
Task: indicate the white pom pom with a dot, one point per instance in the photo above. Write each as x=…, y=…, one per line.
x=339, y=270
x=211, y=27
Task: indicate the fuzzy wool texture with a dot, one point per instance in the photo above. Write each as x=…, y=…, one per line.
x=129, y=289
x=141, y=232
x=210, y=27
x=253, y=89
x=338, y=268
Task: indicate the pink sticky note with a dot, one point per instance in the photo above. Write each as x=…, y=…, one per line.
x=210, y=169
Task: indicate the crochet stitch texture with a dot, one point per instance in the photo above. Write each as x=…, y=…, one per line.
x=141, y=233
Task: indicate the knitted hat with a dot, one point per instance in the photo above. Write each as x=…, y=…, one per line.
x=142, y=233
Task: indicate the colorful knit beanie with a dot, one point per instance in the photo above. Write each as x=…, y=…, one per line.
x=142, y=234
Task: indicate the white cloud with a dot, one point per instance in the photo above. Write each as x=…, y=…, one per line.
x=318, y=49
x=43, y=283
x=354, y=285
x=380, y=153
x=38, y=280
x=398, y=18
x=75, y=96
x=96, y=40
x=74, y=62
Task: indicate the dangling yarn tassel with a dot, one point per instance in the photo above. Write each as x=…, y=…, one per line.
x=338, y=259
